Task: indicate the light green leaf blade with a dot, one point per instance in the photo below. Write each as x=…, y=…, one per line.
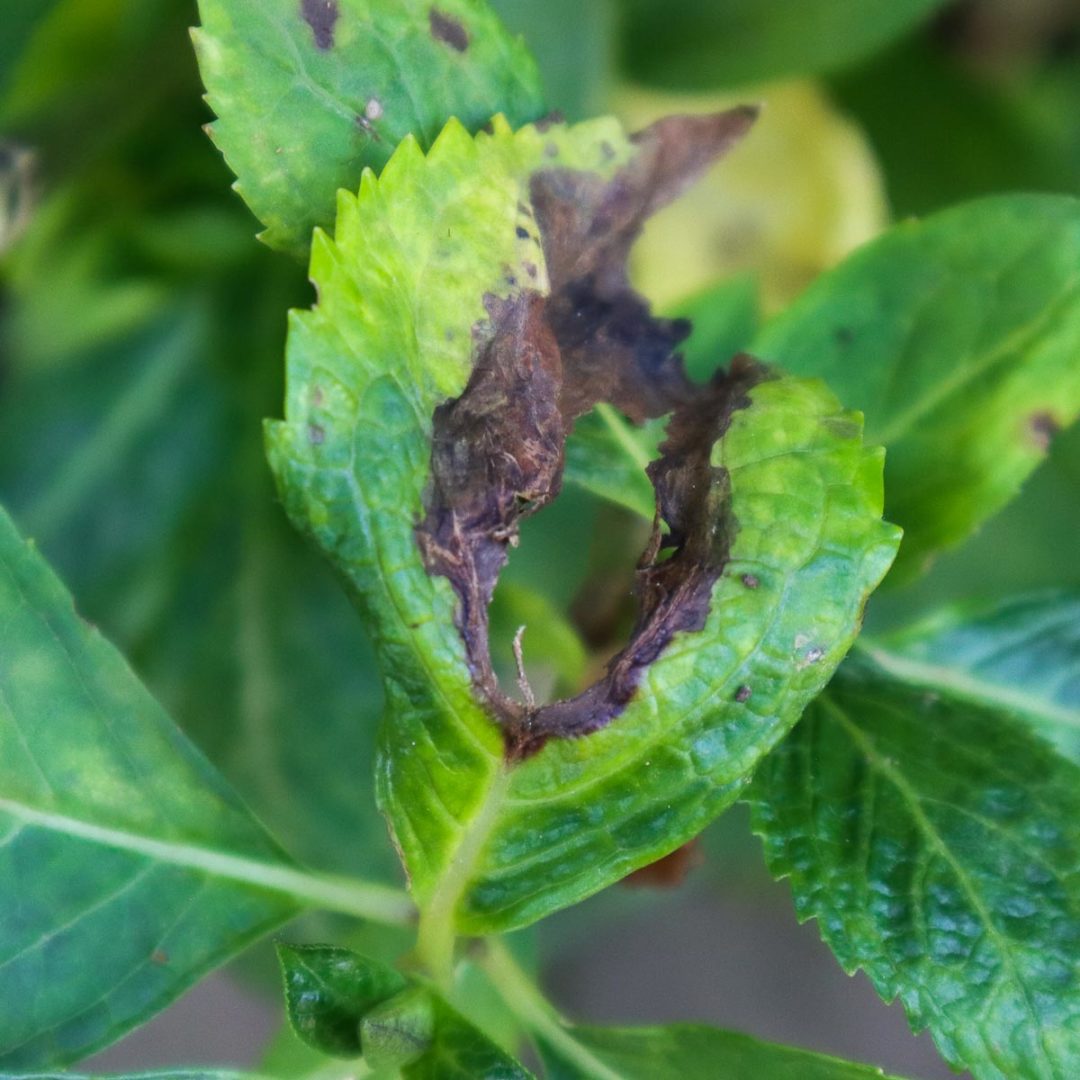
x=958, y=337
x=115, y=832
x=166, y=1074
x=403, y=288
x=937, y=841
x=698, y=44
x=1019, y=655
x=308, y=93
x=685, y=1052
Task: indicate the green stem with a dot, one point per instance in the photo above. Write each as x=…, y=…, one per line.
x=526, y=1001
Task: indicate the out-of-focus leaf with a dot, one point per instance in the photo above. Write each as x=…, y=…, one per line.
x=401, y=289
x=748, y=215
x=607, y=455
x=973, y=136
x=958, y=337
x=725, y=318
x=554, y=655
x=683, y=1052
x=309, y=93
x=120, y=844
x=329, y=990
x=697, y=44
x=574, y=46
x=1020, y=655
x=937, y=841
x=21, y=19
x=167, y=1074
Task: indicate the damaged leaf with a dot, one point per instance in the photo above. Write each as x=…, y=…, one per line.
x=473, y=304
x=958, y=336
x=308, y=93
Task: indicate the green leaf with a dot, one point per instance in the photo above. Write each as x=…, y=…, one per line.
x=607, y=456
x=958, y=337
x=937, y=841
x=329, y=990
x=1019, y=655
x=120, y=845
x=684, y=1051
x=725, y=318
x=697, y=44
x=309, y=93
x=460, y=1051
x=167, y=1074
x=402, y=300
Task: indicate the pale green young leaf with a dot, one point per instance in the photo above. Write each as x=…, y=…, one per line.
x=402, y=292
x=1019, y=655
x=937, y=841
x=958, y=338
x=308, y=93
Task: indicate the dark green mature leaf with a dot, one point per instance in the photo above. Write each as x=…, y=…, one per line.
x=958, y=337
x=120, y=845
x=21, y=19
x=937, y=841
x=684, y=1052
x=309, y=93
x=695, y=44
x=460, y=1051
x=329, y=990
x=402, y=295
x=1019, y=655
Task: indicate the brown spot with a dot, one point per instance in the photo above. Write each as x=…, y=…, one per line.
x=159, y=956
x=316, y=435
x=522, y=233
x=546, y=123
x=744, y=693
x=670, y=871
x=448, y=30
x=1042, y=427
x=542, y=361
x=322, y=17
x=751, y=581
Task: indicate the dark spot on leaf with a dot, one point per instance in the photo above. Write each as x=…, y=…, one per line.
x=160, y=957
x=542, y=361
x=844, y=335
x=322, y=17
x=1043, y=426
x=545, y=123
x=670, y=871
x=522, y=234
x=744, y=693
x=448, y=30
x=531, y=269
x=750, y=581
x=316, y=435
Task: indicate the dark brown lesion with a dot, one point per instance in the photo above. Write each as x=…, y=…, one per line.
x=322, y=17
x=541, y=361
x=448, y=30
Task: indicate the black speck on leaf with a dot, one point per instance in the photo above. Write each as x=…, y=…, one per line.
x=522, y=234
x=316, y=434
x=750, y=581
x=1043, y=427
x=448, y=30
x=743, y=694
x=322, y=17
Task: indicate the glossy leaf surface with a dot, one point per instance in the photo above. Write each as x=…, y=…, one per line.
x=702, y=43
x=329, y=990
x=310, y=92
x=1019, y=655
x=402, y=288
x=958, y=337
x=120, y=844
x=937, y=842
